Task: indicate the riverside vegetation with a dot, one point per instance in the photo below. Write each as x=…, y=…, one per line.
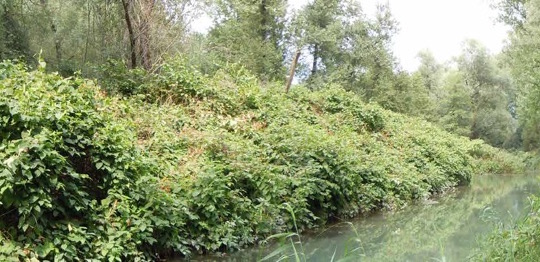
x=128, y=153
x=515, y=242
x=152, y=165
x=448, y=227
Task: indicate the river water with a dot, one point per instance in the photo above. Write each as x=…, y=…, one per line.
x=446, y=228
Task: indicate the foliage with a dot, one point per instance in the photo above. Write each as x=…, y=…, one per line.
x=442, y=228
x=517, y=242
x=251, y=34
x=197, y=163
x=70, y=174
x=117, y=78
x=512, y=12
x=193, y=155
x=345, y=47
x=476, y=99
x=521, y=56
x=14, y=43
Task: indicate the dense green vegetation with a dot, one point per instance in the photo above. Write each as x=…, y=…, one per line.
x=140, y=139
x=441, y=229
x=204, y=163
x=519, y=242
x=324, y=43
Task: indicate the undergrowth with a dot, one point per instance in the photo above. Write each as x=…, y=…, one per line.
x=155, y=165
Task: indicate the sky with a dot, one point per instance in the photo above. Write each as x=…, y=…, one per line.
x=438, y=25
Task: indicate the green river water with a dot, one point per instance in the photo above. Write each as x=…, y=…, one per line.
x=446, y=228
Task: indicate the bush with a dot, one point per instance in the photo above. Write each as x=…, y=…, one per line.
x=117, y=78
x=181, y=162
x=68, y=169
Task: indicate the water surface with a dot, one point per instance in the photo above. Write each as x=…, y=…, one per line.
x=446, y=228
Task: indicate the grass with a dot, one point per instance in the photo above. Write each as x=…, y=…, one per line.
x=514, y=241
x=295, y=249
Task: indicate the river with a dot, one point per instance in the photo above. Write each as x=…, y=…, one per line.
x=445, y=228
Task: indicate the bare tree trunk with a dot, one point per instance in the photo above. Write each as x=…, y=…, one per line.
x=293, y=69
x=87, y=33
x=144, y=31
x=314, y=68
x=132, y=42
x=263, y=11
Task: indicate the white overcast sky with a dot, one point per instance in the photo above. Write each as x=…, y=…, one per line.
x=438, y=25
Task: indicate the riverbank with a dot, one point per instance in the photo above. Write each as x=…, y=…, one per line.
x=178, y=163
x=516, y=240
x=448, y=227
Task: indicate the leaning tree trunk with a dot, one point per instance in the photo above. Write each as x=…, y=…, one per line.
x=293, y=69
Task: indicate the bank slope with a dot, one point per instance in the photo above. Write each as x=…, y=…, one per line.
x=177, y=162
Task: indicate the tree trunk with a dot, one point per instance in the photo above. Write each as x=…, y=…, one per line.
x=144, y=32
x=57, y=40
x=57, y=44
x=293, y=69
x=132, y=42
x=475, y=134
x=88, y=12
x=314, y=68
x=263, y=11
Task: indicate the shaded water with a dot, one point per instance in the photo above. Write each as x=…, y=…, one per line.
x=447, y=228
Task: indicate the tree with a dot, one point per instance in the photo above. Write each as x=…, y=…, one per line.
x=512, y=12
x=251, y=34
x=74, y=35
x=321, y=23
x=489, y=94
x=523, y=57
x=127, y=5
x=71, y=34
x=346, y=48
x=156, y=28
x=455, y=107
x=477, y=68
x=377, y=61
x=430, y=71
x=14, y=41
x=407, y=94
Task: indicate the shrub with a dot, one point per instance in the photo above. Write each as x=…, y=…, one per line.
x=179, y=162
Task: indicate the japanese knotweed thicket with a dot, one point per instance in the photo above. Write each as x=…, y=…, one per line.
x=176, y=162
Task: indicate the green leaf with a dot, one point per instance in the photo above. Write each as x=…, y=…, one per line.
x=44, y=250
x=282, y=235
x=276, y=252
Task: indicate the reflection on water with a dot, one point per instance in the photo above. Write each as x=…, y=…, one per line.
x=445, y=229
